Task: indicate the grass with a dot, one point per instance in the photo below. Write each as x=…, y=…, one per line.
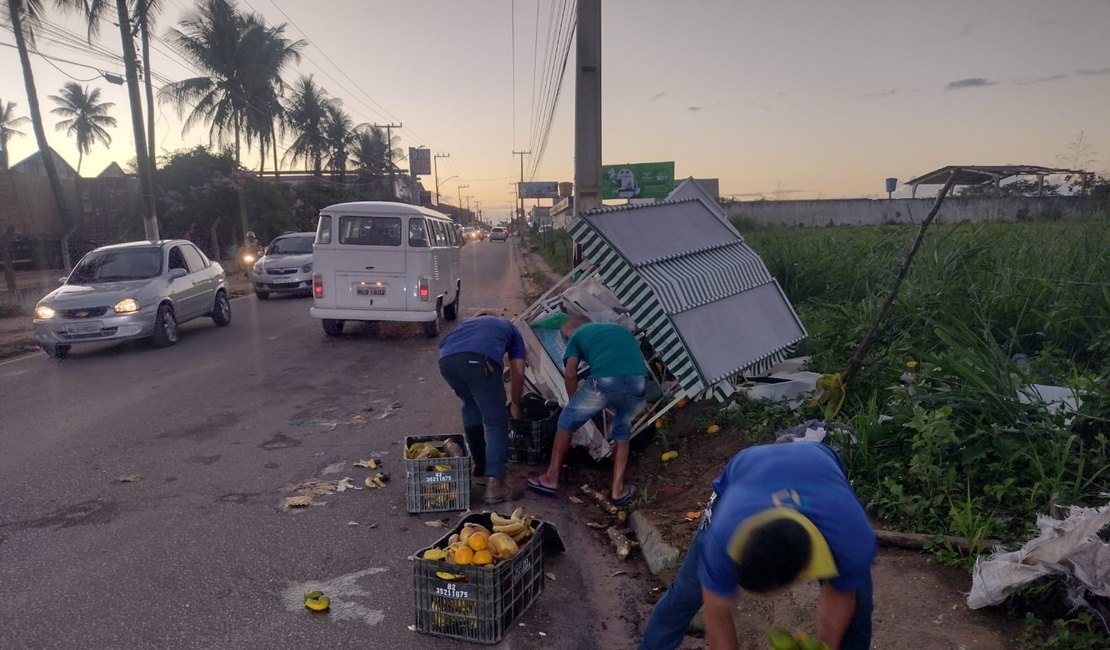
x=556, y=248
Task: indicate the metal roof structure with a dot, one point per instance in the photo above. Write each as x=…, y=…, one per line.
x=703, y=298
x=981, y=174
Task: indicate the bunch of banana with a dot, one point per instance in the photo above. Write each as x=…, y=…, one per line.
x=436, y=495
x=517, y=526
x=783, y=640
x=423, y=451
x=376, y=481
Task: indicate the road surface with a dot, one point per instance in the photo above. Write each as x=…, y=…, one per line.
x=199, y=552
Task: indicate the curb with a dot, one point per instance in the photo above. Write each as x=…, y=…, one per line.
x=661, y=557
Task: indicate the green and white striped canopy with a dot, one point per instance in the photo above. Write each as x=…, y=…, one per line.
x=703, y=298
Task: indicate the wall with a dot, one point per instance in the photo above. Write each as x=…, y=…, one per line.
x=880, y=211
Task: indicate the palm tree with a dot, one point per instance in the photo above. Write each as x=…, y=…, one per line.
x=269, y=53
x=9, y=128
x=307, y=114
x=369, y=149
x=84, y=116
x=25, y=16
x=339, y=136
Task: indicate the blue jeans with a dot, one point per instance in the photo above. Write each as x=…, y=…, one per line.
x=624, y=394
x=477, y=382
x=672, y=614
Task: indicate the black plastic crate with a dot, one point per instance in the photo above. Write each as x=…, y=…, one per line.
x=484, y=605
x=428, y=489
x=531, y=437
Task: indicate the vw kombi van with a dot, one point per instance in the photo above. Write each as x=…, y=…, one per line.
x=382, y=261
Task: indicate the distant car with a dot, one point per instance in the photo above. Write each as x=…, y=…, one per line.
x=499, y=234
x=129, y=291
x=285, y=267
x=472, y=234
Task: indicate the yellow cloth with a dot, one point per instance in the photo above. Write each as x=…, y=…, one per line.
x=821, y=565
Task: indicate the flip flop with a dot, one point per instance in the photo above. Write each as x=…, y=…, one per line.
x=535, y=485
x=631, y=492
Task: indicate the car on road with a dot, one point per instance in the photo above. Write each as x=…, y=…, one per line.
x=285, y=266
x=472, y=234
x=134, y=290
x=499, y=234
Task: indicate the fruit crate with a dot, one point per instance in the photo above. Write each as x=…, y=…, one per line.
x=485, y=604
x=428, y=489
x=531, y=437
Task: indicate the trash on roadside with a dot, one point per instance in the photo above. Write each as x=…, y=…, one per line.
x=130, y=478
x=299, y=501
x=316, y=601
x=344, y=484
x=693, y=515
x=668, y=456
x=574, y=499
x=437, y=523
x=369, y=463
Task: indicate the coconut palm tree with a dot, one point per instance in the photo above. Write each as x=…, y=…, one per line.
x=307, y=114
x=339, y=136
x=369, y=150
x=84, y=116
x=270, y=53
x=25, y=16
x=9, y=128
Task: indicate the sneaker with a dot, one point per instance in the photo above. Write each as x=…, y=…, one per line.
x=497, y=491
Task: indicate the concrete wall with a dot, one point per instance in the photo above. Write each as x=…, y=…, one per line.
x=879, y=211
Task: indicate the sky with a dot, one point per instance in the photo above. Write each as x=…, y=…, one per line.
x=794, y=99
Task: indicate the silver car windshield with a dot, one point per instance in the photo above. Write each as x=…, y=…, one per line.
x=290, y=246
x=118, y=265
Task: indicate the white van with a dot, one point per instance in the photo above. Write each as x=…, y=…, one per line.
x=381, y=261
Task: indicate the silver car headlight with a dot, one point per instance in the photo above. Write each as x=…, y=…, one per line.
x=42, y=312
x=258, y=267
x=307, y=268
x=127, y=306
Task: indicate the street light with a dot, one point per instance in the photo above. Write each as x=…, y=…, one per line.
x=435, y=168
x=438, y=183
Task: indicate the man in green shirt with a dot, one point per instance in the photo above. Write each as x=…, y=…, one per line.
x=616, y=379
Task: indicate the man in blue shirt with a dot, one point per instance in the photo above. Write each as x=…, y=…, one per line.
x=617, y=379
x=778, y=513
x=470, y=360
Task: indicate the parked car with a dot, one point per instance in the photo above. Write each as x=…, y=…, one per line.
x=129, y=291
x=499, y=234
x=285, y=266
x=383, y=261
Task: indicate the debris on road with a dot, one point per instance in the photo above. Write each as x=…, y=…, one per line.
x=604, y=503
x=376, y=481
x=316, y=601
x=620, y=542
x=369, y=463
x=574, y=499
x=668, y=456
x=549, y=576
x=437, y=523
x=344, y=484
x=130, y=478
x=299, y=501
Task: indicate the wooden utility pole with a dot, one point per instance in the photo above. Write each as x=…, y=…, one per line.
x=435, y=167
x=587, y=110
x=142, y=157
x=520, y=194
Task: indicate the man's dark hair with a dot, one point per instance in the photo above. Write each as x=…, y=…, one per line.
x=774, y=555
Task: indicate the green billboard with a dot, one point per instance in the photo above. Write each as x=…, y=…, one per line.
x=653, y=180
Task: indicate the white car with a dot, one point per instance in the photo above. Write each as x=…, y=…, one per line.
x=499, y=234
x=286, y=266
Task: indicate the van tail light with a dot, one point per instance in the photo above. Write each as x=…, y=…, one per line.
x=424, y=290
x=317, y=285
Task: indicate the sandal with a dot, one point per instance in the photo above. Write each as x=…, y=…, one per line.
x=535, y=485
x=629, y=493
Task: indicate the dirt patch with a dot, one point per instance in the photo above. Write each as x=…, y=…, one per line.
x=918, y=602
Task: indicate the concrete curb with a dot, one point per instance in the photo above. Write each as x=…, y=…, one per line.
x=660, y=556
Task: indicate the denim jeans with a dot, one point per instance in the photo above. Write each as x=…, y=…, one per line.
x=483, y=396
x=624, y=394
x=681, y=602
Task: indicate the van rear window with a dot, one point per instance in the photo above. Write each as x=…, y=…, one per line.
x=370, y=231
x=323, y=230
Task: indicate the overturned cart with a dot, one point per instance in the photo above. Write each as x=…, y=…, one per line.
x=676, y=274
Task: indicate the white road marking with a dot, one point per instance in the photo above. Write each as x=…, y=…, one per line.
x=342, y=591
x=29, y=355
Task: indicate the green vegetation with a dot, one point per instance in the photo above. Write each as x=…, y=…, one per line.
x=942, y=442
x=557, y=249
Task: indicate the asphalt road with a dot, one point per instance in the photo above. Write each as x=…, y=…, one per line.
x=200, y=552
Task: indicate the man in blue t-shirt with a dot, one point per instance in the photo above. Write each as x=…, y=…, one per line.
x=617, y=378
x=778, y=513
x=470, y=360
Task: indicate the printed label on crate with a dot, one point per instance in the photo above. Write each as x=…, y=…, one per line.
x=521, y=570
x=452, y=590
x=439, y=477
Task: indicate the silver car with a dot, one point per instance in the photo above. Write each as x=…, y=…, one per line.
x=286, y=267
x=129, y=291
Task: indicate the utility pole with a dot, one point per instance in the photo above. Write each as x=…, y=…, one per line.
x=142, y=159
x=389, y=154
x=461, y=188
x=519, y=193
x=435, y=167
x=587, y=111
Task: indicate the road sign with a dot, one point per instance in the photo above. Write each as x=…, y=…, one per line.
x=637, y=180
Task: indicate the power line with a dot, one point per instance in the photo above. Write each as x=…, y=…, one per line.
x=512, y=59
x=50, y=58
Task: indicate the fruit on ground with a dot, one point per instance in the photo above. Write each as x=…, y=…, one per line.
x=713, y=428
x=320, y=604
x=669, y=456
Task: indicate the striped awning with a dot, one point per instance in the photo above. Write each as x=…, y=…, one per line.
x=703, y=298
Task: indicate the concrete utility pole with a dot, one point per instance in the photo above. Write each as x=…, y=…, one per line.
x=142, y=160
x=519, y=194
x=587, y=108
x=460, y=189
x=389, y=154
x=435, y=167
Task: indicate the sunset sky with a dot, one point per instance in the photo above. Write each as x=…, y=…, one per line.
x=783, y=98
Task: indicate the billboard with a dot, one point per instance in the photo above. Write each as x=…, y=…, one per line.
x=420, y=161
x=539, y=190
x=637, y=180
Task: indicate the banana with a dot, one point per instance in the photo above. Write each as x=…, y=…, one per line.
x=500, y=520
x=369, y=482
x=378, y=482
x=520, y=536
x=510, y=529
x=320, y=604
x=372, y=463
x=441, y=468
x=453, y=539
x=312, y=595
x=518, y=514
